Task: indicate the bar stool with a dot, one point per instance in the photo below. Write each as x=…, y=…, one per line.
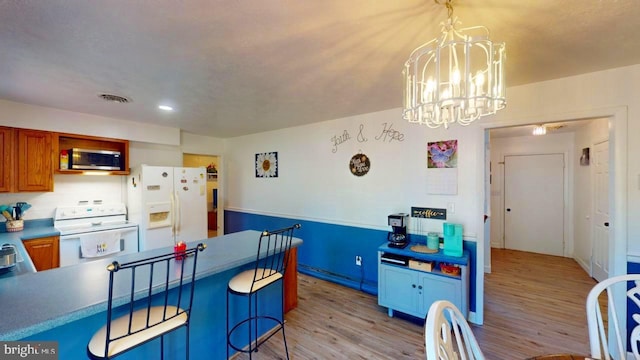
x=271, y=261
x=158, y=297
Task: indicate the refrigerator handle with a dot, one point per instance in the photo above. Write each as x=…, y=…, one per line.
x=178, y=215
x=173, y=217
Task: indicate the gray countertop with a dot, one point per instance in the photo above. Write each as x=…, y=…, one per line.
x=33, y=302
x=33, y=229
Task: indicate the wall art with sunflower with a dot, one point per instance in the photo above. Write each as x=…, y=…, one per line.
x=267, y=165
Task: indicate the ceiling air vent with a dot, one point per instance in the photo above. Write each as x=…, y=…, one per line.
x=114, y=98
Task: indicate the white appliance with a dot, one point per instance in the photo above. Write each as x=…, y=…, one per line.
x=92, y=232
x=169, y=204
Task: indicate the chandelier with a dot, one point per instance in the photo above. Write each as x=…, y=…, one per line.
x=458, y=77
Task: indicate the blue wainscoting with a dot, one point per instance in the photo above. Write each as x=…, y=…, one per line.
x=632, y=308
x=329, y=250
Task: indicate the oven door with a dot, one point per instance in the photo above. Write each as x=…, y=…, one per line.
x=71, y=245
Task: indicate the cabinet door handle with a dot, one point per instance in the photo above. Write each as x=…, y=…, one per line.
x=606, y=224
x=413, y=286
x=420, y=287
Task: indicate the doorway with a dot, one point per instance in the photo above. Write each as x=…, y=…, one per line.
x=212, y=163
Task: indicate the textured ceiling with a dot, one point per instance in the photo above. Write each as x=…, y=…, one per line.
x=245, y=66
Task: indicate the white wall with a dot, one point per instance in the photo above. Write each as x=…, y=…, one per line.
x=594, y=132
x=19, y=115
x=154, y=154
x=69, y=190
x=559, y=143
x=202, y=145
x=315, y=182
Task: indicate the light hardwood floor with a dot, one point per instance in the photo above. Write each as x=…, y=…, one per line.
x=534, y=304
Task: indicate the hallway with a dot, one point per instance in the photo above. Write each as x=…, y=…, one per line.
x=534, y=304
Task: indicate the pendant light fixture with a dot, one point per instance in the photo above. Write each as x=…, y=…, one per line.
x=458, y=77
x=539, y=130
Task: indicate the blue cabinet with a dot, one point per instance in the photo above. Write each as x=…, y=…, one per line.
x=412, y=291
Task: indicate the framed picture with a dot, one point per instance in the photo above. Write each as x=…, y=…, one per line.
x=442, y=154
x=584, y=158
x=267, y=165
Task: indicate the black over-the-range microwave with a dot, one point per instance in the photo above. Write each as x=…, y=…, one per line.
x=90, y=159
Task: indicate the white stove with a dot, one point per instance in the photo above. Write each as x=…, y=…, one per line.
x=92, y=232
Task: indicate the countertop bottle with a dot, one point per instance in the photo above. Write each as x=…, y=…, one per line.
x=64, y=160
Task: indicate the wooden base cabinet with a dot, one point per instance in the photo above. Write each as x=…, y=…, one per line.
x=412, y=292
x=44, y=252
x=291, y=281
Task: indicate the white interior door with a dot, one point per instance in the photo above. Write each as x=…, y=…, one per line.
x=600, y=250
x=534, y=203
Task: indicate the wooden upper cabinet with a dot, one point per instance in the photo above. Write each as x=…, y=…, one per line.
x=6, y=167
x=35, y=160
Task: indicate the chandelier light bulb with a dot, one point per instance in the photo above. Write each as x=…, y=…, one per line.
x=539, y=130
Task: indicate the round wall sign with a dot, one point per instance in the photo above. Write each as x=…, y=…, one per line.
x=359, y=164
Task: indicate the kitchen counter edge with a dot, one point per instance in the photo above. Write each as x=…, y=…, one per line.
x=33, y=229
x=39, y=307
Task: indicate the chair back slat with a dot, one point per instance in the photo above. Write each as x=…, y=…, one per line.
x=273, y=253
x=606, y=338
x=448, y=335
x=163, y=278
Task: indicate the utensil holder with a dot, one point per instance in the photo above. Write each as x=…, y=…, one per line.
x=15, y=225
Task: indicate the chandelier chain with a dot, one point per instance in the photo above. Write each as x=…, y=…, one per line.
x=447, y=4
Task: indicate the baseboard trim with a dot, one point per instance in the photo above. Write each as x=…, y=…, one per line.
x=366, y=287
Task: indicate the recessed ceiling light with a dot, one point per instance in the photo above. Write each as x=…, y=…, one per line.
x=165, y=107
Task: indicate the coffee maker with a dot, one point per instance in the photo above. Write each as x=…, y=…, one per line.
x=398, y=237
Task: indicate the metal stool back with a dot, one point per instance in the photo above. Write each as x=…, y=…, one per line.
x=157, y=293
x=270, y=267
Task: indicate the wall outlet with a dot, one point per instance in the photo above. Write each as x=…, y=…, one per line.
x=358, y=260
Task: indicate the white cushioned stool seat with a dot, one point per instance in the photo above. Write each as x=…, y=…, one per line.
x=242, y=282
x=120, y=325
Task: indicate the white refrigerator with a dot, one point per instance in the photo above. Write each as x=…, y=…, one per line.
x=168, y=203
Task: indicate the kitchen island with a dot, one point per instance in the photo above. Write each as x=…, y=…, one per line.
x=68, y=304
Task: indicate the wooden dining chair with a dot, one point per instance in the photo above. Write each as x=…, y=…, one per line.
x=603, y=317
x=157, y=300
x=448, y=335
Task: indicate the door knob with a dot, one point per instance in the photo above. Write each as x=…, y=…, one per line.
x=508, y=209
x=606, y=224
